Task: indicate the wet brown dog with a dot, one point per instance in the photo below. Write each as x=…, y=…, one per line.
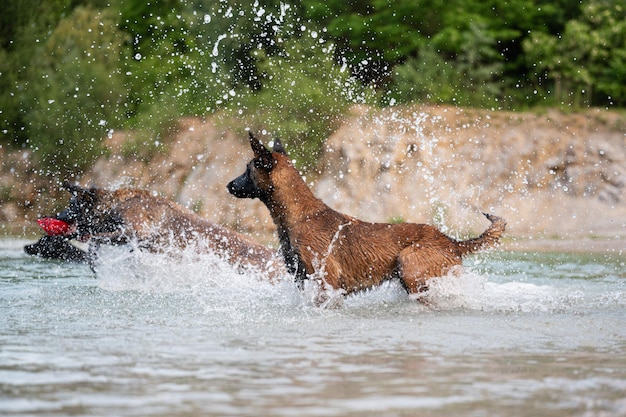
x=347, y=253
x=157, y=224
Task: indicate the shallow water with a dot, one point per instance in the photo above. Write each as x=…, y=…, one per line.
x=514, y=335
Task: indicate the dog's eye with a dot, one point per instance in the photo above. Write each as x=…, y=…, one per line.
x=264, y=164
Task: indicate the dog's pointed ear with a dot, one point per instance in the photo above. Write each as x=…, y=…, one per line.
x=72, y=188
x=76, y=189
x=257, y=147
x=261, y=153
x=278, y=147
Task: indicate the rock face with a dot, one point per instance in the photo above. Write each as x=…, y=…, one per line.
x=549, y=174
x=201, y=158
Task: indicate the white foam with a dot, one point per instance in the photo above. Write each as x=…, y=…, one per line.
x=123, y=268
x=209, y=276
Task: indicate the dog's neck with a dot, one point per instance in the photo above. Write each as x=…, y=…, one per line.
x=291, y=201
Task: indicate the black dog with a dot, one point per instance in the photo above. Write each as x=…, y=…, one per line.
x=157, y=225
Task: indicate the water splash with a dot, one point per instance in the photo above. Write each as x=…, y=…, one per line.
x=209, y=279
x=466, y=289
x=321, y=293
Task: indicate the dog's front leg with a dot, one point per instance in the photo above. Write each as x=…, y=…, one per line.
x=300, y=275
x=92, y=254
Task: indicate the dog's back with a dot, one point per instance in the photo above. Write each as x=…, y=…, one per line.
x=158, y=223
x=353, y=255
x=161, y=225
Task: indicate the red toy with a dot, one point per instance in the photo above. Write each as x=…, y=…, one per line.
x=53, y=227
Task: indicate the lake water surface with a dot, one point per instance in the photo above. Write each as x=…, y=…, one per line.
x=516, y=334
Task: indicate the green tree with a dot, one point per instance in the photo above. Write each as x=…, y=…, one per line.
x=78, y=91
x=156, y=63
x=426, y=78
x=187, y=58
x=586, y=64
x=302, y=96
x=24, y=26
x=607, y=20
x=374, y=35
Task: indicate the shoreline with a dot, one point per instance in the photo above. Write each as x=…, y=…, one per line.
x=572, y=245
x=590, y=244
x=557, y=177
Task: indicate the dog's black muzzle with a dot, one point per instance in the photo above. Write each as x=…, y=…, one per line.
x=67, y=216
x=242, y=187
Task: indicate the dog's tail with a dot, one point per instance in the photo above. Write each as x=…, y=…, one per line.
x=490, y=237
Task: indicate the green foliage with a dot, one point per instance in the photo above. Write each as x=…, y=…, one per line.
x=427, y=78
x=396, y=220
x=377, y=35
x=302, y=95
x=187, y=58
x=587, y=62
x=78, y=91
x=472, y=78
x=72, y=70
x=372, y=35
x=164, y=64
x=24, y=25
x=10, y=114
x=479, y=60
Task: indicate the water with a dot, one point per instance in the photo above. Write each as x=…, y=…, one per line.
x=515, y=335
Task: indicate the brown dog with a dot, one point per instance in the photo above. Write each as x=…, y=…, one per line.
x=347, y=253
x=157, y=224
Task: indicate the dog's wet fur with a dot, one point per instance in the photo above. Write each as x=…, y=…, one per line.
x=346, y=253
x=156, y=224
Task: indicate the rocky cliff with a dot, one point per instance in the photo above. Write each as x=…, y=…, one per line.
x=550, y=175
